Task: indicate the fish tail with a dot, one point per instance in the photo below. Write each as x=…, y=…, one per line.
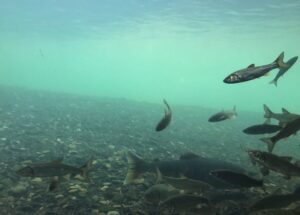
x=85, y=168
x=136, y=167
x=273, y=82
x=269, y=142
x=268, y=112
x=279, y=61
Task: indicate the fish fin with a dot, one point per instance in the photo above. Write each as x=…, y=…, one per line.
x=189, y=156
x=58, y=161
x=285, y=111
x=159, y=178
x=85, y=168
x=267, y=121
x=264, y=171
x=269, y=142
x=53, y=184
x=136, y=167
x=251, y=65
x=267, y=74
x=273, y=82
x=168, y=106
x=286, y=158
x=279, y=61
x=268, y=112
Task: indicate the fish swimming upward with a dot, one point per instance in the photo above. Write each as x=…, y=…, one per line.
x=253, y=72
x=165, y=121
x=283, y=118
x=197, y=168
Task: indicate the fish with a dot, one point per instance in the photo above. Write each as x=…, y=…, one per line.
x=236, y=178
x=184, y=183
x=184, y=202
x=54, y=169
x=282, y=71
x=223, y=115
x=195, y=168
x=160, y=192
x=283, y=118
x=288, y=130
x=253, y=72
x=280, y=164
x=165, y=121
x=264, y=128
x=275, y=201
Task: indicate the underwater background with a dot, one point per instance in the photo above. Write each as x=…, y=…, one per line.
x=82, y=79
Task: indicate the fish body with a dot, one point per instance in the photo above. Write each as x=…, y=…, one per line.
x=223, y=115
x=283, y=118
x=275, y=201
x=197, y=169
x=282, y=71
x=262, y=129
x=288, y=130
x=160, y=192
x=276, y=163
x=253, y=72
x=165, y=121
x=236, y=178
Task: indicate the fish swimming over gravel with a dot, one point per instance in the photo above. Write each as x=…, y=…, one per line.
x=185, y=184
x=282, y=71
x=262, y=129
x=275, y=201
x=280, y=164
x=160, y=192
x=289, y=129
x=165, y=121
x=54, y=169
x=196, y=168
x=223, y=115
x=236, y=178
x=283, y=118
x=253, y=72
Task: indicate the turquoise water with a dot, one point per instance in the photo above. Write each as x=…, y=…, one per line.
x=146, y=51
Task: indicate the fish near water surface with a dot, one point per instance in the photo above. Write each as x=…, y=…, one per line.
x=282, y=71
x=289, y=129
x=196, y=168
x=254, y=72
x=223, y=115
x=165, y=121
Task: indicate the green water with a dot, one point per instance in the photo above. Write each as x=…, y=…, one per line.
x=150, y=50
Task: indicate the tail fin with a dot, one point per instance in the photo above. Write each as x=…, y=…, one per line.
x=85, y=168
x=136, y=167
x=268, y=112
x=273, y=82
x=279, y=61
x=269, y=142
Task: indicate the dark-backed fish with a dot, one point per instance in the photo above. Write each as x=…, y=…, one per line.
x=223, y=115
x=196, y=168
x=275, y=201
x=160, y=192
x=262, y=129
x=282, y=71
x=54, y=169
x=269, y=161
x=289, y=129
x=253, y=72
x=237, y=178
x=165, y=121
x=283, y=118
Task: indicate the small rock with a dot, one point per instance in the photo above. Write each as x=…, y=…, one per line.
x=113, y=213
x=37, y=180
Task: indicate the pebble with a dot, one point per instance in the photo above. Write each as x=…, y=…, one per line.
x=37, y=180
x=113, y=213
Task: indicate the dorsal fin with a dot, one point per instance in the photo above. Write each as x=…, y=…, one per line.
x=57, y=161
x=189, y=156
x=251, y=65
x=285, y=111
